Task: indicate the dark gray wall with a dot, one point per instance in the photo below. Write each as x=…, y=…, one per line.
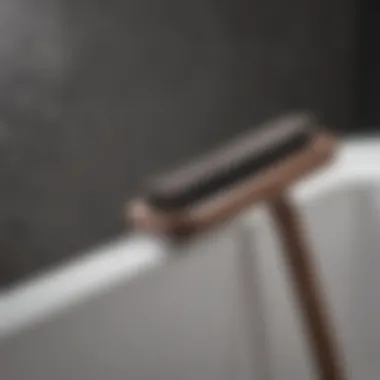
x=95, y=95
x=369, y=34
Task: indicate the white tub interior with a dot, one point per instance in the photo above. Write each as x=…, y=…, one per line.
x=344, y=225
x=139, y=309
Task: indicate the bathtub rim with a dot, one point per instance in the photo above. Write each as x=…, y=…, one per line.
x=38, y=298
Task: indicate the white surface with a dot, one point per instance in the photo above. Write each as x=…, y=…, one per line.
x=347, y=194
x=181, y=321
x=341, y=232
x=103, y=267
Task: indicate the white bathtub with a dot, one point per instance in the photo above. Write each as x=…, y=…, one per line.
x=138, y=308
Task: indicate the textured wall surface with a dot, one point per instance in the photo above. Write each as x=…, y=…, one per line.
x=369, y=65
x=96, y=95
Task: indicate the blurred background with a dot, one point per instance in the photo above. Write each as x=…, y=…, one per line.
x=97, y=95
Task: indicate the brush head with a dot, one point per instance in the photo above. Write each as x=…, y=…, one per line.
x=261, y=162
x=244, y=157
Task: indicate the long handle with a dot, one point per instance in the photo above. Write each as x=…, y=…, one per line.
x=321, y=338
